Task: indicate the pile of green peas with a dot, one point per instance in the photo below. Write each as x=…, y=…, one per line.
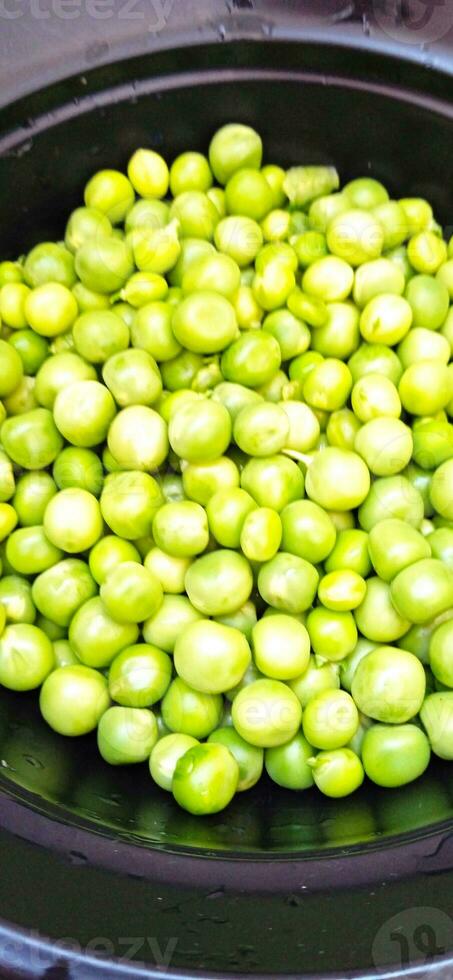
x=226, y=475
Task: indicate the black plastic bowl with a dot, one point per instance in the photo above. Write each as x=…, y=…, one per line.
x=101, y=873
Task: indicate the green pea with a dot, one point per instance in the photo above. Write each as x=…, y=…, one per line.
x=168, y=569
x=181, y=529
x=126, y=735
x=341, y=590
x=72, y=520
x=288, y=583
x=129, y=502
x=239, y=237
x=104, y=266
x=22, y=398
x=423, y=590
x=375, y=359
x=426, y=252
x=57, y=373
x=32, y=349
x=308, y=308
x=429, y=301
x=97, y=638
x=425, y=387
x=441, y=490
x=307, y=531
x=205, y=322
x=205, y=779
x=339, y=336
x=266, y=713
x=395, y=755
x=190, y=712
x=422, y=345
x=73, y=700
x=376, y=617
x=11, y=369
x=440, y=653
x=392, y=217
x=200, y=431
x=13, y=298
x=110, y=192
x=165, y=755
x=261, y=534
x=64, y=654
x=219, y=582
x=393, y=545
x=211, y=657
x=337, y=479
x=441, y=544
x=252, y=360
x=350, y=552
x=29, y=552
x=330, y=720
x=375, y=396
x=32, y=439
x=139, y=676
x=83, y=413
x=10, y=272
x=151, y=331
x=7, y=480
x=342, y=429
x=315, y=679
x=226, y=511
x=85, y=224
x=107, y=554
x=333, y=635
x=325, y=208
x=273, y=481
x=232, y=147
x=60, y=590
x=392, y=497
x=337, y=773
x=389, y=685
x=437, y=718
x=26, y=657
x=385, y=444
x=171, y=620
x=137, y=438
x=386, y=319
x=131, y=593
x=328, y=385
x=88, y=300
x=348, y=666
x=287, y=765
x=49, y=262
x=304, y=184
x=281, y=647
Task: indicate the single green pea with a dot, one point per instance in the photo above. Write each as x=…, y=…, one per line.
x=328, y=385
x=85, y=224
x=137, y=438
x=440, y=653
x=375, y=396
x=441, y=494
x=13, y=299
x=252, y=360
x=281, y=647
x=196, y=215
x=392, y=217
x=133, y=378
x=341, y=590
x=356, y=236
x=330, y=720
x=126, y=735
x=78, y=468
x=83, y=412
x=261, y=534
x=26, y=657
x=233, y=147
x=226, y=512
x=389, y=685
x=342, y=429
x=311, y=309
x=365, y=192
x=57, y=373
x=239, y=237
x=287, y=765
x=97, y=638
x=423, y=590
x=200, y=431
x=373, y=278
x=168, y=569
x=50, y=309
x=266, y=713
x=212, y=272
x=249, y=313
x=181, y=529
x=276, y=225
x=315, y=679
x=337, y=479
x=202, y=480
x=147, y=286
x=386, y=319
x=329, y=278
x=88, y=300
x=7, y=480
x=309, y=246
x=155, y=251
x=205, y=322
x=73, y=520
x=261, y=429
x=429, y=301
x=333, y=634
x=418, y=213
x=11, y=369
x=129, y=502
x=211, y=657
x=29, y=552
x=73, y=700
x=292, y=335
x=272, y=286
x=392, y=497
x=376, y=359
x=105, y=265
x=348, y=666
x=32, y=349
x=350, y=552
x=190, y=171
x=385, y=444
x=99, y=335
x=426, y=252
x=376, y=617
x=273, y=481
x=10, y=272
x=248, y=757
x=303, y=184
x=64, y=654
x=110, y=192
x=393, y=545
x=425, y=387
x=172, y=486
x=304, y=429
x=307, y=531
x=22, y=399
x=190, y=712
x=205, y=779
x=337, y=773
x=441, y=544
x=60, y=590
x=422, y=345
x=339, y=337
x=131, y=593
x=172, y=618
x=48, y=262
x=288, y=583
x=151, y=331
x=16, y=599
x=437, y=718
x=165, y=756
x=219, y=582
x=148, y=173
x=32, y=439
x=107, y=554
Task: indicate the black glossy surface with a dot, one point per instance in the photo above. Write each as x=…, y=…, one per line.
x=89, y=852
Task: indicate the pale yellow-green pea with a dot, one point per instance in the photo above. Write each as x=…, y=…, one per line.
x=311, y=309
x=329, y=278
x=217, y=196
x=276, y=226
x=445, y=275
x=342, y=590
x=249, y=313
x=374, y=396
x=425, y=387
x=272, y=286
x=8, y=520
x=385, y=444
x=392, y=217
x=386, y=319
x=355, y=236
x=13, y=296
x=325, y=209
x=343, y=520
x=422, y=345
x=143, y=288
x=418, y=212
x=51, y=309
x=426, y=252
x=304, y=428
x=373, y=278
x=156, y=249
x=275, y=177
x=22, y=399
x=148, y=173
x=328, y=386
x=340, y=335
x=111, y=192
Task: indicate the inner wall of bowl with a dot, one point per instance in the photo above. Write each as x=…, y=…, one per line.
x=404, y=141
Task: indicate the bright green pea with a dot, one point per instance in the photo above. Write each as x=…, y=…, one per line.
x=288, y=583
x=205, y=322
x=60, y=591
x=169, y=569
x=137, y=438
x=337, y=479
x=307, y=531
x=78, y=468
x=276, y=225
x=252, y=360
x=337, y=773
x=437, y=718
x=261, y=534
x=273, y=481
x=22, y=399
x=333, y=634
x=50, y=309
x=133, y=378
x=48, y=262
x=325, y=208
x=239, y=237
x=281, y=647
x=330, y=720
x=266, y=713
x=248, y=311
x=151, y=331
x=26, y=657
x=355, y=236
x=291, y=333
x=315, y=679
x=373, y=278
x=425, y=387
x=202, y=480
x=181, y=529
x=339, y=337
x=7, y=481
x=386, y=319
x=165, y=755
x=10, y=272
x=13, y=298
x=126, y=735
x=441, y=494
x=391, y=496
x=211, y=657
x=445, y=275
x=429, y=301
x=248, y=757
x=16, y=599
x=205, y=779
x=212, y=272
x=418, y=213
x=107, y=554
x=328, y=385
x=72, y=520
x=303, y=184
x=64, y=654
x=261, y=429
x=104, y=266
x=8, y=521
x=57, y=373
x=85, y=224
x=129, y=502
x=191, y=712
x=341, y=590
x=393, y=545
x=226, y=512
x=172, y=618
x=304, y=429
x=376, y=359
x=350, y=552
x=395, y=755
x=376, y=617
x=83, y=412
x=365, y=192
x=32, y=439
x=11, y=369
x=131, y=593
x=392, y=217
x=29, y=552
x=440, y=653
x=32, y=349
x=426, y=252
x=309, y=308
x=248, y=194
x=422, y=345
x=389, y=685
x=97, y=638
x=232, y=147
x=110, y=192
x=423, y=590
x=200, y=431
x=375, y=396
x=172, y=487
x=287, y=765
x=139, y=676
x=196, y=214
x=73, y=700
x=219, y=582
x=385, y=444
x=342, y=429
